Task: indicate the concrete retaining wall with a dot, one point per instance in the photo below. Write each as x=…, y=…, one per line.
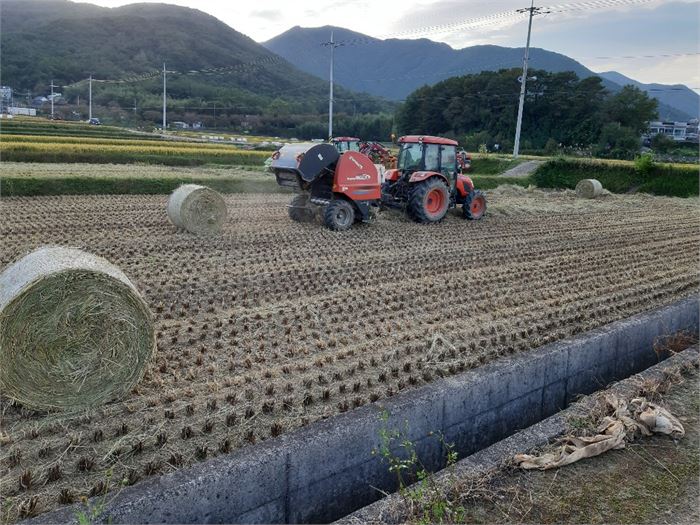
x=327, y=470
x=392, y=509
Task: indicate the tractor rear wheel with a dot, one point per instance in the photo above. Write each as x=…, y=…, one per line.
x=429, y=201
x=339, y=215
x=300, y=209
x=474, y=205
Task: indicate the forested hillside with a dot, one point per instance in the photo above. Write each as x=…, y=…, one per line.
x=560, y=110
x=219, y=75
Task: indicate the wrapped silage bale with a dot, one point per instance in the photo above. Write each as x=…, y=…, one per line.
x=197, y=209
x=588, y=189
x=74, y=331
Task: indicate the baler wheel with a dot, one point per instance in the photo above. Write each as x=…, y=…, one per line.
x=474, y=205
x=300, y=210
x=429, y=201
x=339, y=215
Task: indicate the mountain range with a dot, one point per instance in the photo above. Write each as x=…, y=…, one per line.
x=393, y=68
x=63, y=41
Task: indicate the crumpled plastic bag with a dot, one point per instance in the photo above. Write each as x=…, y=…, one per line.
x=627, y=420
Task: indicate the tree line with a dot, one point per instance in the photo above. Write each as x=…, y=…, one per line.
x=561, y=112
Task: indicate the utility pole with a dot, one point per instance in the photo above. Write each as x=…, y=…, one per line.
x=332, y=45
x=164, y=95
x=90, y=100
x=523, y=80
x=52, y=86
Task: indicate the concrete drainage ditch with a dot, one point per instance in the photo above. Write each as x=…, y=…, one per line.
x=326, y=470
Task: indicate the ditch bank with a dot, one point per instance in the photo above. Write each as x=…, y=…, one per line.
x=327, y=470
x=495, y=462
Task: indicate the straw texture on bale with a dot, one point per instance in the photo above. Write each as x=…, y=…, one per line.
x=74, y=331
x=197, y=209
x=588, y=189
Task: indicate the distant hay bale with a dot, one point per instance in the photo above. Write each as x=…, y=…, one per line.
x=74, y=331
x=588, y=189
x=197, y=209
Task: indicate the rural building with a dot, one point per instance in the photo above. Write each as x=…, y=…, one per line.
x=5, y=97
x=39, y=101
x=27, y=112
x=678, y=131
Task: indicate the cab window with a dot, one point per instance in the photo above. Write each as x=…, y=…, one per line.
x=410, y=156
x=432, y=157
x=448, y=160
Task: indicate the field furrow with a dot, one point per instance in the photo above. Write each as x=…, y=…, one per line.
x=274, y=325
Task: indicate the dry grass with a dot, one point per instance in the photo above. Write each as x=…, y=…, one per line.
x=274, y=325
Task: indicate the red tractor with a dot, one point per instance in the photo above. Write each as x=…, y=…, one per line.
x=344, y=144
x=344, y=186
x=428, y=180
x=374, y=150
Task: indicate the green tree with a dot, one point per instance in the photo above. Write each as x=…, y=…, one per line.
x=662, y=143
x=551, y=147
x=474, y=140
x=618, y=142
x=631, y=108
x=559, y=106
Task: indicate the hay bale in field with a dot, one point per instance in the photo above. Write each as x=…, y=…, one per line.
x=197, y=209
x=588, y=189
x=74, y=331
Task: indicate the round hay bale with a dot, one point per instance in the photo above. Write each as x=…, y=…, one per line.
x=588, y=189
x=74, y=331
x=197, y=209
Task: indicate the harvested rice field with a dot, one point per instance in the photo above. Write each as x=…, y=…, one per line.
x=273, y=325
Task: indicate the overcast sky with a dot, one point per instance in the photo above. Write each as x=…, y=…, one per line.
x=587, y=30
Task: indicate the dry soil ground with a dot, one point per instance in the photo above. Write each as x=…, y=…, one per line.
x=273, y=324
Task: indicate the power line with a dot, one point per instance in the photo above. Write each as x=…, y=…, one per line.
x=664, y=55
x=494, y=18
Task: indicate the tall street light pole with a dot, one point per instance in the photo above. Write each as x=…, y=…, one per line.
x=52, y=86
x=332, y=45
x=165, y=122
x=523, y=80
x=90, y=100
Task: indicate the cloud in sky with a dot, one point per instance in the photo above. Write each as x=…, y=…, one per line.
x=266, y=14
x=653, y=27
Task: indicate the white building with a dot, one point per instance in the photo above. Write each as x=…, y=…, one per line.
x=5, y=96
x=678, y=131
x=27, y=112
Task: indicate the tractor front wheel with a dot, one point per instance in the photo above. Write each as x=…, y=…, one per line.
x=474, y=205
x=339, y=215
x=300, y=209
x=429, y=201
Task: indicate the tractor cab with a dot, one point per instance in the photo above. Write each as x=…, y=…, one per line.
x=433, y=154
x=343, y=144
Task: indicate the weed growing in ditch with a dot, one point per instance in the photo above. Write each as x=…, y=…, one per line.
x=425, y=497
